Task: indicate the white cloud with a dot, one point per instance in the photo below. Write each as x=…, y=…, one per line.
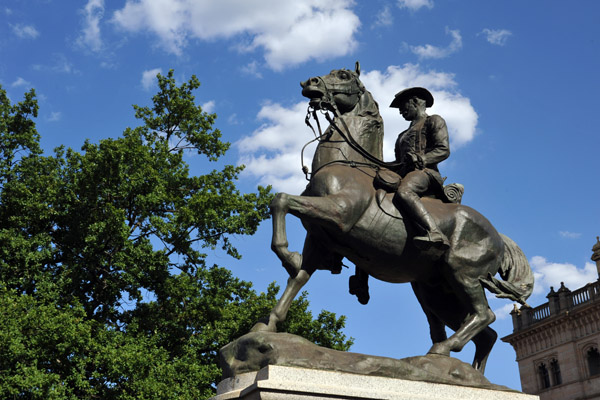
x=552, y=274
x=60, y=64
x=272, y=152
x=288, y=32
x=90, y=37
x=277, y=132
x=384, y=17
x=149, y=78
x=456, y=109
x=252, y=69
x=430, y=51
x=20, y=82
x=415, y=4
x=109, y=65
x=504, y=311
x=25, y=31
x=233, y=119
x=569, y=235
x=55, y=116
x=497, y=36
x=208, y=107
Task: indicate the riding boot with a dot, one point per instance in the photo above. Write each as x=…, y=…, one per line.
x=433, y=237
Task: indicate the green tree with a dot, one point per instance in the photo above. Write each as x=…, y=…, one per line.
x=104, y=287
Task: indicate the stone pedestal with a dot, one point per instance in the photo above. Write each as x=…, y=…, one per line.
x=291, y=383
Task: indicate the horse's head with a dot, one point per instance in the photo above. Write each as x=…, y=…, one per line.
x=340, y=89
x=343, y=93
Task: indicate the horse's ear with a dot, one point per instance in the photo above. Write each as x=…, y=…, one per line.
x=357, y=68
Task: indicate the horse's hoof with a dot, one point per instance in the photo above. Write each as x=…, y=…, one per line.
x=264, y=325
x=359, y=289
x=439, y=349
x=261, y=327
x=363, y=298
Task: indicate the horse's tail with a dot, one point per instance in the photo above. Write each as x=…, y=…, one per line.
x=516, y=274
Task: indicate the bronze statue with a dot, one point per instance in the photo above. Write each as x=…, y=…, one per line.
x=346, y=216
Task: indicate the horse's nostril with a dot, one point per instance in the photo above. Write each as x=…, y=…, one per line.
x=314, y=81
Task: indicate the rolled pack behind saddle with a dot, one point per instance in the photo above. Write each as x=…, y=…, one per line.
x=389, y=181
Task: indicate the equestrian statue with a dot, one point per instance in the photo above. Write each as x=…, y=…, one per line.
x=395, y=221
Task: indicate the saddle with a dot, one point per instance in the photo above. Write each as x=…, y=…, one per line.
x=389, y=181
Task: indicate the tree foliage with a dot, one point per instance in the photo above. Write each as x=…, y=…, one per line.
x=104, y=287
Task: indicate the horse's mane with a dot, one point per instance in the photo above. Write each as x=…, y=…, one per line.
x=371, y=127
x=367, y=106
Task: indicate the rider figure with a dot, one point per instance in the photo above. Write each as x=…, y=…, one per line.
x=419, y=149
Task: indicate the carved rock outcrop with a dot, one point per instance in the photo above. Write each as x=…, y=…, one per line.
x=256, y=350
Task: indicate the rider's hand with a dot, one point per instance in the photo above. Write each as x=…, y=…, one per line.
x=416, y=160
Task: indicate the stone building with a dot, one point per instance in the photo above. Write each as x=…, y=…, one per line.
x=558, y=342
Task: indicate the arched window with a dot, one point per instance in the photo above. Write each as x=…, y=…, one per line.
x=593, y=361
x=555, y=371
x=544, y=376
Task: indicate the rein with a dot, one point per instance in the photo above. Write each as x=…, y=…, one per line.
x=357, y=147
x=319, y=137
x=375, y=162
x=310, y=111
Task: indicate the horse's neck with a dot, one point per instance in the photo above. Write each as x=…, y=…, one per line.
x=367, y=132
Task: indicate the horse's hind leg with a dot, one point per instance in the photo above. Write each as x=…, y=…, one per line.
x=478, y=315
x=437, y=327
x=444, y=308
x=484, y=341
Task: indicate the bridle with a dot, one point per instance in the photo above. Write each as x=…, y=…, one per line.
x=327, y=103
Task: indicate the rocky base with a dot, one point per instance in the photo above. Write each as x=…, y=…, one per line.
x=252, y=352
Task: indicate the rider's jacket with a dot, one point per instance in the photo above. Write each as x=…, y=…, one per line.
x=427, y=138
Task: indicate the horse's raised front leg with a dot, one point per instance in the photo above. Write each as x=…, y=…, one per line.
x=335, y=211
x=330, y=211
x=291, y=261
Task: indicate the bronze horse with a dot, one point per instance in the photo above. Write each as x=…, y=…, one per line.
x=345, y=216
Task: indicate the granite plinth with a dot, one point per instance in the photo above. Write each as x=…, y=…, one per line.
x=289, y=383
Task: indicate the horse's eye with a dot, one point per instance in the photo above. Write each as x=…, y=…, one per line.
x=344, y=75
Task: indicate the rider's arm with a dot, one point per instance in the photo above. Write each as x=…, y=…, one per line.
x=438, y=146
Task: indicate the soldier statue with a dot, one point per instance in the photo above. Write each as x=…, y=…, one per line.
x=419, y=149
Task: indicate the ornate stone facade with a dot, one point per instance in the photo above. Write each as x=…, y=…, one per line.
x=558, y=343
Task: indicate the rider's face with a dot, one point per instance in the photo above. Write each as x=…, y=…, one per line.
x=409, y=110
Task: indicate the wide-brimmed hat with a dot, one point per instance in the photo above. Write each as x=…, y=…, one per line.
x=409, y=93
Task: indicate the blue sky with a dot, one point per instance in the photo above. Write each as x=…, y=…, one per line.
x=515, y=80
